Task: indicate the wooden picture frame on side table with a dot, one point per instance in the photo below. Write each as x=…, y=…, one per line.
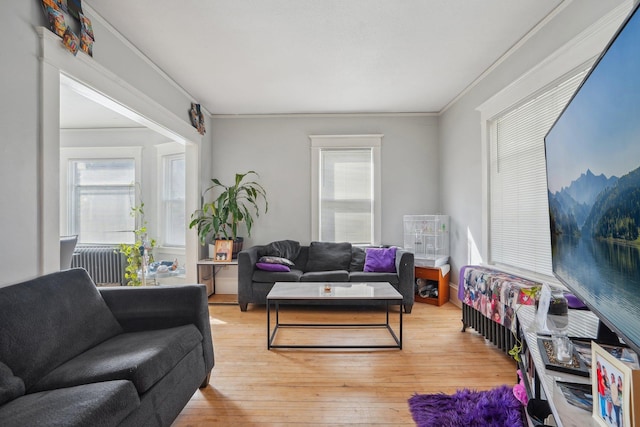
x=223, y=250
x=605, y=412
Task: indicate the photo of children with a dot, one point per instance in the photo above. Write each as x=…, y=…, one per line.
x=224, y=249
x=609, y=393
x=611, y=389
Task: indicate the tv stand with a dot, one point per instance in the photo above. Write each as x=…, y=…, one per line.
x=606, y=335
x=539, y=381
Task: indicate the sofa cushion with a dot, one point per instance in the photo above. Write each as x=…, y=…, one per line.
x=276, y=260
x=325, y=276
x=266, y=266
x=302, y=258
x=276, y=276
x=380, y=260
x=362, y=276
x=98, y=405
x=357, y=259
x=10, y=385
x=141, y=357
x=327, y=256
x=282, y=248
x=49, y=320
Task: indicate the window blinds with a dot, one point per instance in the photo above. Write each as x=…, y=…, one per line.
x=518, y=208
x=346, y=195
x=101, y=200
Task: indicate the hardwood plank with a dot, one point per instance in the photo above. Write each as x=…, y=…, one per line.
x=253, y=386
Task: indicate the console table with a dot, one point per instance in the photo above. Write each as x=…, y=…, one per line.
x=542, y=381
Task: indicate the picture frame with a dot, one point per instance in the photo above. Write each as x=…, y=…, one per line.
x=223, y=250
x=613, y=407
x=197, y=118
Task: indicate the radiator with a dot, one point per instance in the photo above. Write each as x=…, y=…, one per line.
x=104, y=264
x=497, y=334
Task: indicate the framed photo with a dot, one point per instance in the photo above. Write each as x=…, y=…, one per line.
x=612, y=389
x=223, y=250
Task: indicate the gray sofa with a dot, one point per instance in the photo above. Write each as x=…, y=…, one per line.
x=72, y=354
x=318, y=262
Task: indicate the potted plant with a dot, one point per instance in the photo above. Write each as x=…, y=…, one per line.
x=235, y=204
x=138, y=254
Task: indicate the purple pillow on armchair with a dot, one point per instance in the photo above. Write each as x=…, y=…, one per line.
x=380, y=260
x=266, y=266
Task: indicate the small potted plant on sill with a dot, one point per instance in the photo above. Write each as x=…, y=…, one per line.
x=235, y=204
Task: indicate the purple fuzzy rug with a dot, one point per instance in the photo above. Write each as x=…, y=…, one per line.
x=497, y=407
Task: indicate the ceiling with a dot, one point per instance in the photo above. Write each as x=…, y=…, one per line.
x=323, y=56
x=79, y=111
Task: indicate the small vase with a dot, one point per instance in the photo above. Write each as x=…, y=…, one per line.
x=558, y=324
x=558, y=314
x=237, y=246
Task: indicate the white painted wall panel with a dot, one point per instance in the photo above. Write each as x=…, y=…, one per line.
x=460, y=132
x=22, y=186
x=19, y=150
x=278, y=148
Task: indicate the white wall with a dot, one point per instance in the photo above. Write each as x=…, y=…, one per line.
x=460, y=129
x=278, y=148
x=21, y=125
x=429, y=164
x=19, y=151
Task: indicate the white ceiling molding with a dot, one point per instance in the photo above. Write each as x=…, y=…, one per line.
x=94, y=15
x=289, y=57
x=581, y=51
x=539, y=26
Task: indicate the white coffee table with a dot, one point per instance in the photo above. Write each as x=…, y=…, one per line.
x=329, y=294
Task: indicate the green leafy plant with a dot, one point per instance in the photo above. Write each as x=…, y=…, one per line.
x=532, y=293
x=134, y=252
x=235, y=204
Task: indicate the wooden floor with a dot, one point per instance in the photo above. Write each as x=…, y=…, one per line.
x=253, y=386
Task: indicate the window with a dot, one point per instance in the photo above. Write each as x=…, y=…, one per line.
x=172, y=199
x=98, y=191
x=518, y=206
x=346, y=188
x=515, y=229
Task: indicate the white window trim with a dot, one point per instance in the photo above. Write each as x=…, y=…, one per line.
x=373, y=141
x=72, y=153
x=580, y=52
x=162, y=150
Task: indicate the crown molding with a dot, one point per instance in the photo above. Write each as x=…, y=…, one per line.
x=99, y=18
x=539, y=26
x=319, y=115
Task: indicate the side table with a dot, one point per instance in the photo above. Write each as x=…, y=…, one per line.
x=436, y=274
x=207, y=270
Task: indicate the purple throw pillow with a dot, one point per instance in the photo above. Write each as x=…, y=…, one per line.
x=380, y=260
x=272, y=267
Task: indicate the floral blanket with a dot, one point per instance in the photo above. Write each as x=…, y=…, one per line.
x=494, y=293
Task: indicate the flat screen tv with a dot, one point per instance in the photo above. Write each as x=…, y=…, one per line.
x=593, y=180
